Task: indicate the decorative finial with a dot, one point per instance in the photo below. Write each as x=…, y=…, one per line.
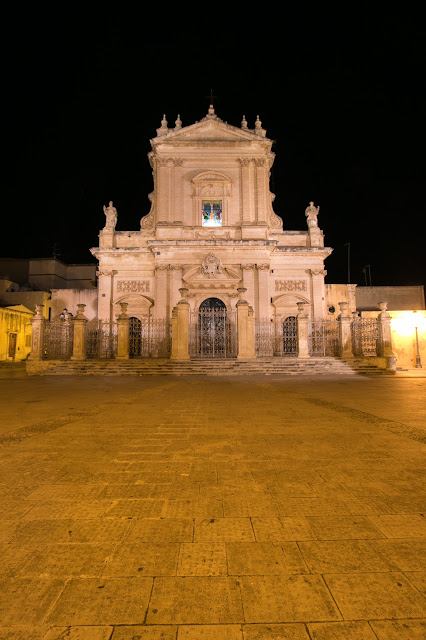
x=178, y=123
x=163, y=129
x=211, y=112
x=244, y=123
x=258, y=128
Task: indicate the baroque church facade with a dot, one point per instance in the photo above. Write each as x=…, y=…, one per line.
x=211, y=231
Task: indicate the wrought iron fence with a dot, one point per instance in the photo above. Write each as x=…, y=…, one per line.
x=276, y=338
x=149, y=337
x=365, y=336
x=213, y=333
x=57, y=340
x=101, y=340
x=323, y=338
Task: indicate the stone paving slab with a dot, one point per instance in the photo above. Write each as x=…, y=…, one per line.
x=239, y=509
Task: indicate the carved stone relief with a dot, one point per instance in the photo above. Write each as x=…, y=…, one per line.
x=211, y=266
x=134, y=286
x=290, y=285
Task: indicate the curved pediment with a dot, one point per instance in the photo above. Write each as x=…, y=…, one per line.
x=207, y=177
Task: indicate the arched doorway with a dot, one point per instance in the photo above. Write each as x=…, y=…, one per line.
x=135, y=337
x=290, y=336
x=213, y=330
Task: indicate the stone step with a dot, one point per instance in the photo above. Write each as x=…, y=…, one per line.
x=261, y=366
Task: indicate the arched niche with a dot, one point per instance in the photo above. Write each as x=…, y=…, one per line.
x=139, y=306
x=285, y=305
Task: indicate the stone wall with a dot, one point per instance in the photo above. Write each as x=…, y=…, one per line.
x=398, y=298
x=70, y=298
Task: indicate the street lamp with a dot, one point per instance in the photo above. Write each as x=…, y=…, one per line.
x=416, y=326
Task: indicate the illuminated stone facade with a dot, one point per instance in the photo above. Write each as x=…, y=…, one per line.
x=211, y=229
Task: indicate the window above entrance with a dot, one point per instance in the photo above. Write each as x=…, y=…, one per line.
x=211, y=213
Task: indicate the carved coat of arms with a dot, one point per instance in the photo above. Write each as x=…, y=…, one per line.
x=211, y=266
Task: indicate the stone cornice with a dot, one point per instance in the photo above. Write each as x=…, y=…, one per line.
x=268, y=244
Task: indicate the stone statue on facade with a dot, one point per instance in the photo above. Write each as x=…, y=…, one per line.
x=111, y=216
x=311, y=214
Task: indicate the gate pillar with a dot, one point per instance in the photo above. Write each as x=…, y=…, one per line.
x=384, y=346
x=345, y=337
x=180, y=328
x=245, y=328
x=79, y=341
x=302, y=332
x=37, y=334
x=123, y=322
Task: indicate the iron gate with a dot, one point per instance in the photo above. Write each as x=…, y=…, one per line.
x=149, y=337
x=276, y=338
x=323, y=338
x=213, y=331
x=365, y=336
x=101, y=340
x=57, y=340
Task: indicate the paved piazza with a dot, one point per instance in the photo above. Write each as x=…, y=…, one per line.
x=255, y=508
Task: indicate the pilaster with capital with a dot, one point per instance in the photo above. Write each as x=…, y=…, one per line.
x=264, y=305
x=175, y=271
x=249, y=271
x=247, y=213
x=163, y=174
x=318, y=293
x=262, y=190
x=162, y=288
x=105, y=293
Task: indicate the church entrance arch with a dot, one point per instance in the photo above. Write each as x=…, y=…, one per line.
x=213, y=330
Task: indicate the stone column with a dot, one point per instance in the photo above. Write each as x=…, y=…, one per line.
x=79, y=341
x=384, y=347
x=345, y=337
x=123, y=322
x=245, y=327
x=180, y=328
x=302, y=331
x=37, y=334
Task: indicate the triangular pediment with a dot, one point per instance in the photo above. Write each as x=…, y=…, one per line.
x=210, y=129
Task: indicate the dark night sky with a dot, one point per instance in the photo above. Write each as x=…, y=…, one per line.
x=343, y=100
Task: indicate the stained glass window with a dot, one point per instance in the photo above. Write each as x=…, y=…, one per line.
x=212, y=213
